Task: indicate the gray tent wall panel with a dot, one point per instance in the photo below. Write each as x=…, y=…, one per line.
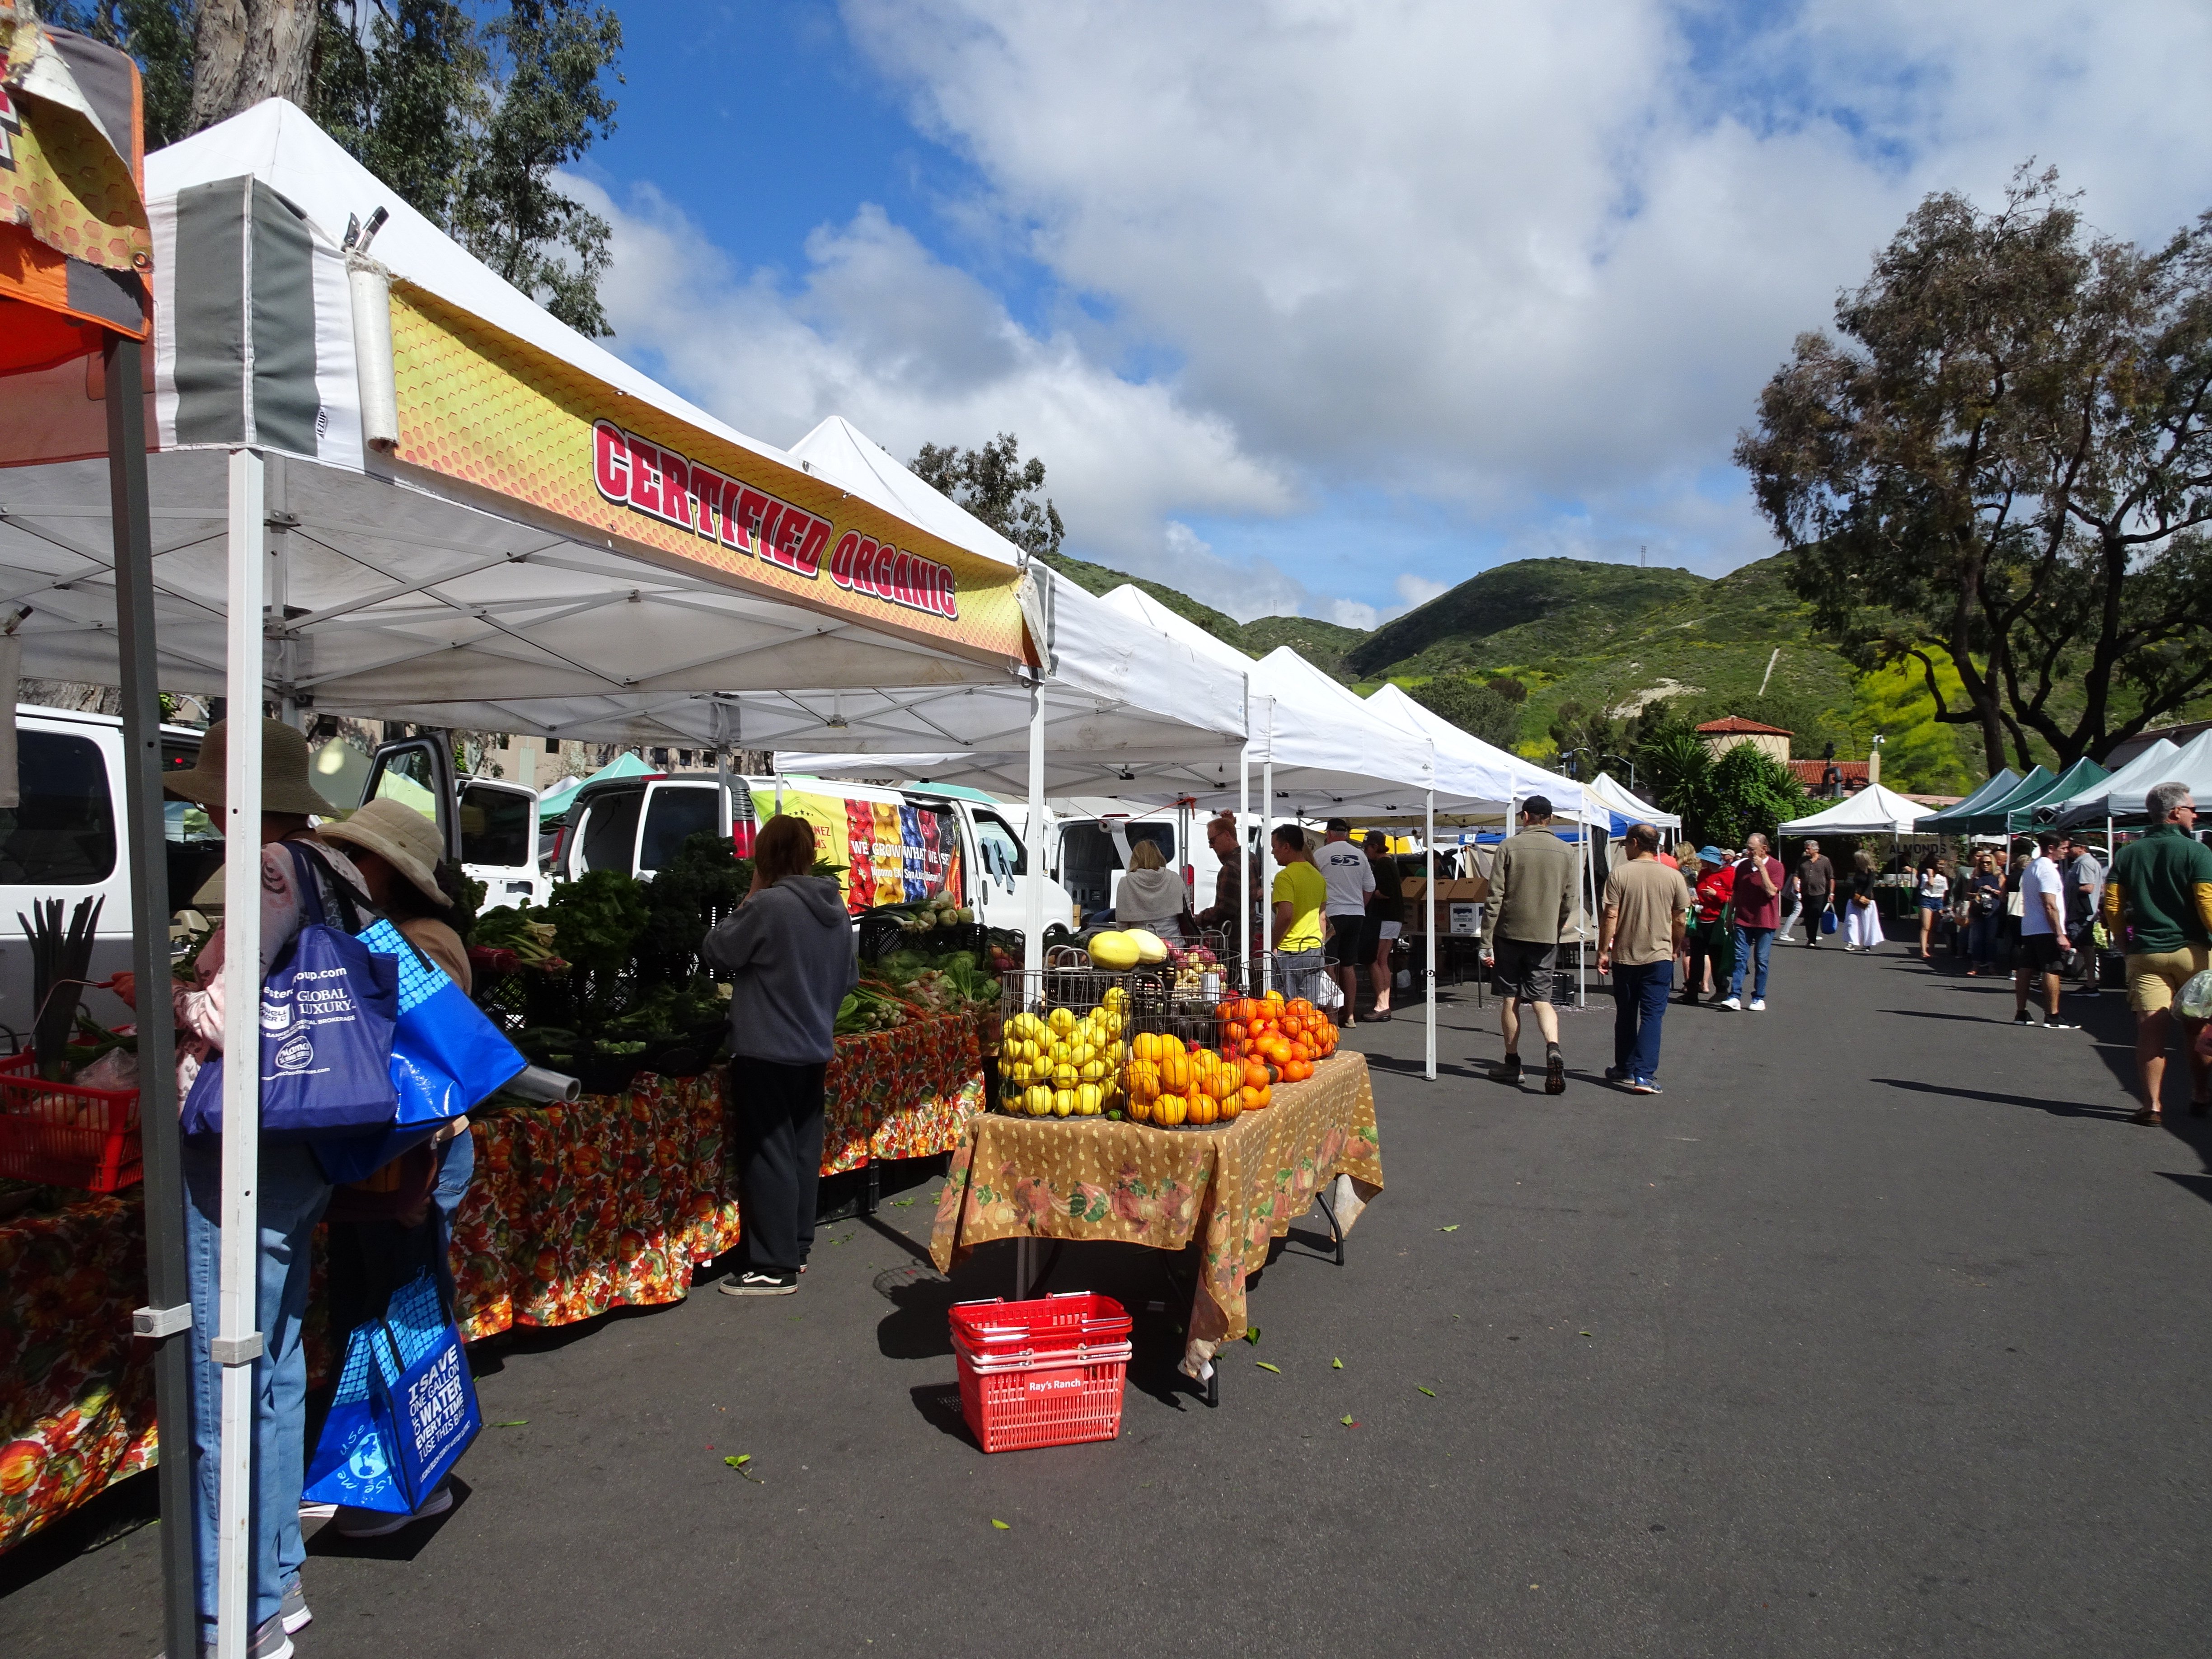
x=245, y=372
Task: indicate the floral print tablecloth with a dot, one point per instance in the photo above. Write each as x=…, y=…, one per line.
x=77, y=1392
x=573, y=1210
x=1236, y=1188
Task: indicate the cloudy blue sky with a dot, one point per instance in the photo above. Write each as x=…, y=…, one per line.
x=1323, y=308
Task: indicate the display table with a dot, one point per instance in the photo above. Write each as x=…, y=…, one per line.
x=1238, y=1187
x=573, y=1210
x=76, y=1392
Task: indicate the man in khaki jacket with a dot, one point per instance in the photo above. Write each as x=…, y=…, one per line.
x=1531, y=899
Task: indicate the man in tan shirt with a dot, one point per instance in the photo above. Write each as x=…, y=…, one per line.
x=1639, y=936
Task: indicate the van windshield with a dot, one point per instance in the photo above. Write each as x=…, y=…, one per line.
x=62, y=832
x=611, y=831
x=495, y=828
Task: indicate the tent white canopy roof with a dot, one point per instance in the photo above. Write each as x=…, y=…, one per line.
x=1507, y=776
x=1332, y=755
x=1608, y=790
x=407, y=593
x=1873, y=810
x=2123, y=794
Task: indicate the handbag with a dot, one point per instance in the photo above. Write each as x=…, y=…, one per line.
x=405, y=1408
x=329, y=1006
x=2015, y=904
x=445, y=1057
x=1827, y=921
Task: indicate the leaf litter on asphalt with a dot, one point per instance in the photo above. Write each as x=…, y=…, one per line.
x=512, y=1423
x=1431, y=1393
x=739, y=1462
x=1000, y=1524
x=1452, y=1229
x=1252, y=1334
x=1265, y=1366
x=1336, y=1365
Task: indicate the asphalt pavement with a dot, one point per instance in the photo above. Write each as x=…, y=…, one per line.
x=1880, y=1331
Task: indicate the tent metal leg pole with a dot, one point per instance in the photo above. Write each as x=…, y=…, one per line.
x=1033, y=923
x=238, y=1339
x=1268, y=855
x=1244, y=865
x=167, y=1315
x=1429, y=933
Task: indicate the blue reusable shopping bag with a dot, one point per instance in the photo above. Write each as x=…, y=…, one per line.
x=445, y=1057
x=1827, y=921
x=329, y=1007
x=405, y=1410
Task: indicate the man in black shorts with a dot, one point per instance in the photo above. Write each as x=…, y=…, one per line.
x=2042, y=933
x=1531, y=899
x=1351, y=879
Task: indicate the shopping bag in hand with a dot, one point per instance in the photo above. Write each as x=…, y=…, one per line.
x=1827, y=921
x=405, y=1410
x=445, y=1057
x=328, y=1010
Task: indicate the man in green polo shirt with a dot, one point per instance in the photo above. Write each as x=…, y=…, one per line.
x=2160, y=889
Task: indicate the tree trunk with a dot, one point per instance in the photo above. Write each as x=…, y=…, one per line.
x=250, y=50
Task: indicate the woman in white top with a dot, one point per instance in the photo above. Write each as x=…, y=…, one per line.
x=1935, y=890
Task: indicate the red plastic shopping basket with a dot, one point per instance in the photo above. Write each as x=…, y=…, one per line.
x=1045, y=1373
x=63, y=1134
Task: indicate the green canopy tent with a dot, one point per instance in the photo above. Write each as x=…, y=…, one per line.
x=1987, y=818
x=2085, y=774
x=1992, y=789
x=553, y=805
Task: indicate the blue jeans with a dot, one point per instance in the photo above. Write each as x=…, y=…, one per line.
x=1752, y=942
x=293, y=1194
x=455, y=1168
x=1639, y=1003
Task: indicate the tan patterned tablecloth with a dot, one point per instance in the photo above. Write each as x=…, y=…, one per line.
x=1237, y=1187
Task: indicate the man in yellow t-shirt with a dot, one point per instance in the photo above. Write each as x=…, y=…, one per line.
x=1299, y=893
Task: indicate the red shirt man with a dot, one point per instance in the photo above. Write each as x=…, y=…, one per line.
x=1758, y=904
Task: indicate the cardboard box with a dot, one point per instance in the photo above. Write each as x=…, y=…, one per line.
x=1468, y=893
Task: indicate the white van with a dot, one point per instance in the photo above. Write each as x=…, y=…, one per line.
x=490, y=825
x=65, y=840
x=896, y=845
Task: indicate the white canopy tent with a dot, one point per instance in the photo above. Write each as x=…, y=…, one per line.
x=398, y=487
x=1519, y=778
x=2124, y=794
x=1874, y=810
x=1627, y=809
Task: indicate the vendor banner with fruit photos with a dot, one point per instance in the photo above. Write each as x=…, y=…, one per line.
x=892, y=851
x=482, y=405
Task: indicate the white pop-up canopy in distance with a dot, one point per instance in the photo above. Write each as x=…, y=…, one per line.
x=2110, y=797
x=1627, y=808
x=1874, y=810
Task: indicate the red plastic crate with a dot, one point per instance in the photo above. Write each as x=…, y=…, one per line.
x=62, y=1134
x=1045, y=1373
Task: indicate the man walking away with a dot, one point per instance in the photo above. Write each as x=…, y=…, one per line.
x=1793, y=905
x=1816, y=887
x=2042, y=933
x=1639, y=936
x=2161, y=890
x=1758, y=895
x=2085, y=889
x=1532, y=898
x=1298, y=895
x=1350, y=880
x=1386, y=917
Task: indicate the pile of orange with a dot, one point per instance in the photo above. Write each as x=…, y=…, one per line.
x=1287, y=1039
x=1173, y=1084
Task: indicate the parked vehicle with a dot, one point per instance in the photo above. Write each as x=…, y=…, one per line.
x=894, y=844
x=490, y=825
x=64, y=840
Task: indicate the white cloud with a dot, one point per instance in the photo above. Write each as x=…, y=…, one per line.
x=1418, y=590
x=1522, y=267
x=912, y=350
x=1351, y=613
x=1530, y=261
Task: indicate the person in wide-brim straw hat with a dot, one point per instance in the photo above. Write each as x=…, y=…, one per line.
x=288, y=788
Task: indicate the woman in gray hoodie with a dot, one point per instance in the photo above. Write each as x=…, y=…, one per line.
x=792, y=953
x=1152, y=896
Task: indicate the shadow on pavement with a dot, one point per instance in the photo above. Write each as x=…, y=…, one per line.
x=402, y=1546
x=2056, y=1108
x=2199, y=1184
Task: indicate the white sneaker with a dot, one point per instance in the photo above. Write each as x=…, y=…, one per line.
x=1734, y=1004
x=1759, y=1004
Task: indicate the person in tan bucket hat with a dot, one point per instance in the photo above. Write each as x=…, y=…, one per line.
x=397, y=852
x=287, y=789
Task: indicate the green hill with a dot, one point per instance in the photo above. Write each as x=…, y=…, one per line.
x=1611, y=637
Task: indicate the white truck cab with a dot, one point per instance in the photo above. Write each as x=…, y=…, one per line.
x=64, y=840
x=896, y=845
